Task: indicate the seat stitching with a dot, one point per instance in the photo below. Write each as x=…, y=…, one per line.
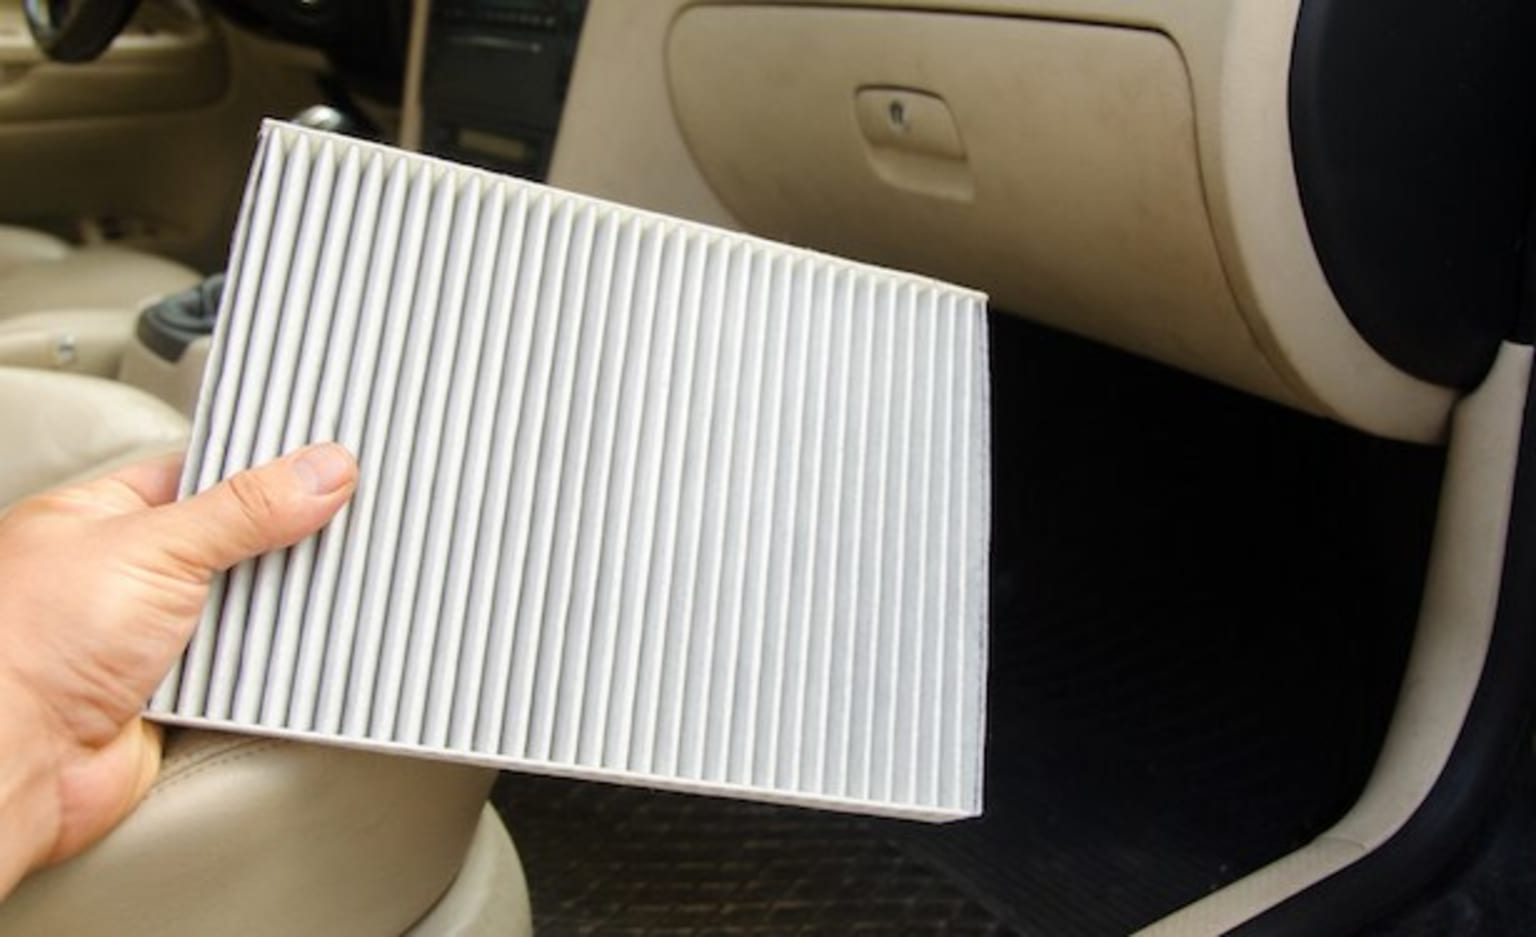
x=226, y=757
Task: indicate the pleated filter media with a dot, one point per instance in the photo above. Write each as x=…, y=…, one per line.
x=641, y=500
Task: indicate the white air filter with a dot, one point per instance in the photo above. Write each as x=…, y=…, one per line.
x=642, y=500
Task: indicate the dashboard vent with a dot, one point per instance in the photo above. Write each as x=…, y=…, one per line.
x=641, y=500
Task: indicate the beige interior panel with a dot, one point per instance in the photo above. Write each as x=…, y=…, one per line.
x=165, y=180
x=168, y=58
x=1073, y=193
x=21, y=248
x=89, y=341
x=174, y=382
x=72, y=309
x=489, y=897
x=415, y=69
x=1256, y=211
x=102, y=277
x=620, y=139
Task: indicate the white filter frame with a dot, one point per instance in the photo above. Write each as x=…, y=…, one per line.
x=641, y=500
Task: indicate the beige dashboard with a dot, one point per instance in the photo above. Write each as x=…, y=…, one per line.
x=1116, y=168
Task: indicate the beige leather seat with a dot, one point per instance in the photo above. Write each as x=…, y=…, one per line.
x=56, y=426
x=73, y=308
x=242, y=835
x=40, y=273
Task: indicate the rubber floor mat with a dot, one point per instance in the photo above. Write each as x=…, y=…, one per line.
x=1201, y=606
x=604, y=859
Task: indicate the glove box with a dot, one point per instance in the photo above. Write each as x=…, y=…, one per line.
x=1129, y=184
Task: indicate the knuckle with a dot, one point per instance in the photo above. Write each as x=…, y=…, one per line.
x=254, y=502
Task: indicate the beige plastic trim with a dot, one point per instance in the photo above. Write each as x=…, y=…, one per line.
x=415, y=68
x=1455, y=627
x=87, y=341
x=168, y=58
x=489, y=898
x=175, y=175
x=1256, y=209
x=177, y=383
x=620, y=139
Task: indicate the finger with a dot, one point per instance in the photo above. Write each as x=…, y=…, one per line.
x=154, y=480
x=261, y=509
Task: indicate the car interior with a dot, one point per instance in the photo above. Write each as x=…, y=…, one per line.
x=1263, y=569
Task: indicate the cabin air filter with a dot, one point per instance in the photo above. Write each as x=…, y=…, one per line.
x=641, y=500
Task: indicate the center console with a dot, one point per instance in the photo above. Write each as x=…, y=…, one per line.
x=494, y=80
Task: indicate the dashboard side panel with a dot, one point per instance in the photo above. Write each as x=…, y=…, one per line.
x=621, y=139
x=1080, y=204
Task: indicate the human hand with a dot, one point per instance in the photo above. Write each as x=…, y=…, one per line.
x=101, y=586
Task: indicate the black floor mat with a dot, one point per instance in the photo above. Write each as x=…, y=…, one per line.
x=1201, y=606
x=602, y=859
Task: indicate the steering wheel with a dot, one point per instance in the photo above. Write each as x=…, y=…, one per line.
x=76, y=30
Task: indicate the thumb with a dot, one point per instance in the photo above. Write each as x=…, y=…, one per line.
x=260, y=509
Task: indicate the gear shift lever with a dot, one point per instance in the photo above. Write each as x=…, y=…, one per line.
x=172, y=323
x=326, y=117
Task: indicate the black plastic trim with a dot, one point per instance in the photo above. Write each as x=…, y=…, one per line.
x=1525, y=321
x=1413, y=132
x=166, y=345
x=365, y=39
x=1486, y=750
